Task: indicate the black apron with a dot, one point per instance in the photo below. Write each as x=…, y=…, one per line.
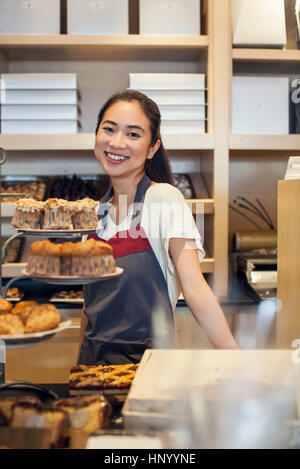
x=119, y=310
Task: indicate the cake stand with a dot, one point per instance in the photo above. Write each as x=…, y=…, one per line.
x=26, y=340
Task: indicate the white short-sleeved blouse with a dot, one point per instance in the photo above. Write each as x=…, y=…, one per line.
x=165, y=215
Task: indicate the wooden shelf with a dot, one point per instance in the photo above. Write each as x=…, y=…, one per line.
x=85, y=141
x=264, y=142
x=265, y=55
x=97, y=47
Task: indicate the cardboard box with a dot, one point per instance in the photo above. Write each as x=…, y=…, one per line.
x=43, y=81
x=44, y=112
x=179, y=17
x=258, y=23
x=260, y=105
x=97, y=17
x=29, y=17
x=38, y=96
x=39, y=127
x=167, y=81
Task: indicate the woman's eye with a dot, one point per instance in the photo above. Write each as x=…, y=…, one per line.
x=134, y=135
x=108, y=129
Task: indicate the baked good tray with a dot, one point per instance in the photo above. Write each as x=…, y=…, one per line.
x=55, y=233
x=68, y=280
x=26, y=340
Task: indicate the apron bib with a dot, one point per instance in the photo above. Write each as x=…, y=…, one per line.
x=119, y=310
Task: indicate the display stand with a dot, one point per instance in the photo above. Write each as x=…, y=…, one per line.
x=26, y=340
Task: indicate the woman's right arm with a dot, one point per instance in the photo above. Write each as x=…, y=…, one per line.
x=83, y=324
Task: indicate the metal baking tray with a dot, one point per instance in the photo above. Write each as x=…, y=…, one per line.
x=15, y=180
x=101, y=183
x=186, y=184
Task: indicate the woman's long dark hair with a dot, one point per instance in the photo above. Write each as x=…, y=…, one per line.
x=157, y=168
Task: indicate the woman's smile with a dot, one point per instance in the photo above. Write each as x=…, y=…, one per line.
x=115, y=158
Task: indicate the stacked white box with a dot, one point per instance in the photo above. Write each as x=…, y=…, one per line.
x=38, y=103
x=29, y=17
x=180, y=98
x=260, y=105
x=97, y=17
x=258, y=23
x=176, y=17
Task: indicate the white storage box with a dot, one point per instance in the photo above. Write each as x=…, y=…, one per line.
x=179, y=112
x=258, y=23
x=175, y=17
x=97, y=17
x=260, y=105
x=38, y=127
x=167, y=81
x=176, y=97
x=38, y=96
x=44, y=112
x=43, y=81
x=29, y=17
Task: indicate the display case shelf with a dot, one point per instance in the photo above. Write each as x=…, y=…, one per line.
x=85, y=141
x=264, y=142
x=265, y=55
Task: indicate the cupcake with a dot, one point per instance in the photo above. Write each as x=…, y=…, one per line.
x=92, y=258
x=28, y=214
x=44, y=259
x=57, y=215
x=84, y=214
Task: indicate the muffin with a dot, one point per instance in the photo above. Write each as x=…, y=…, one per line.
x=28, y=214
x=57, y=215
x=92, y=258
x=44, y=258
x=84, y=214
x=11, y=325
x=5, y=306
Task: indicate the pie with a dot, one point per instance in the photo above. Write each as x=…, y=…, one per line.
x=106, y=379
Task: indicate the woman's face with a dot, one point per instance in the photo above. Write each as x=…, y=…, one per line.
x=123, y=140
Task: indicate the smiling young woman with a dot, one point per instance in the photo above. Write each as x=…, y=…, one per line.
x=155, y=240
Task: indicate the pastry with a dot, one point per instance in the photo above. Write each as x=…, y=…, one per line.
x=84, y=214
x=86, y=413
x=34, y=415
x=5, y=306
x=27, y=214
x=42, y=318
x=57, y=215
x=92, y=258
x=34, y=189
x=6, y=406
x=89, y=258
x=11, y=325
x=23, y=309
x=106, y=379
x=44, y=259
